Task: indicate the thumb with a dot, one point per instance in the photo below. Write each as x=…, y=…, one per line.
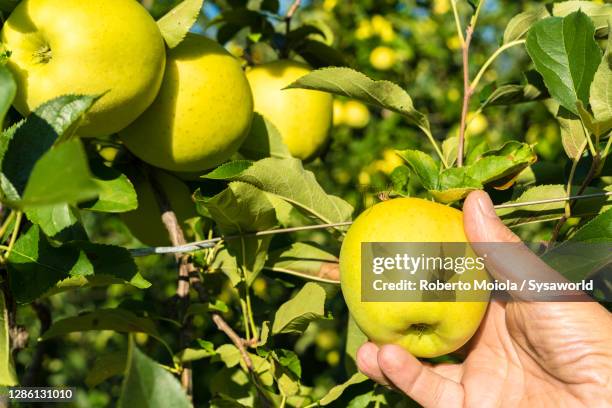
x=481, y=223
x=506, y=257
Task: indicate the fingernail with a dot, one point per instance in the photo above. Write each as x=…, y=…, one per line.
x=486, y=207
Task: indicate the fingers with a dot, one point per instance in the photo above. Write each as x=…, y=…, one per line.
x=506, y=257
x=367, y=362
x=392, y=365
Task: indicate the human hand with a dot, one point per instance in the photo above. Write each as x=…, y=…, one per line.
x=524, y=354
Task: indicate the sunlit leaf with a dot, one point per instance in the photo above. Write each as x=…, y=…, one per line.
x=295, y=315
x=175, y=25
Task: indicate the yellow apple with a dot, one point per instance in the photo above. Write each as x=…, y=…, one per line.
x=356, y=114
x=303, y=117
x=383, y=58
x=425, y=329
x=145, y=222
x=338, y=115
x=202, y=113
x=86, y=47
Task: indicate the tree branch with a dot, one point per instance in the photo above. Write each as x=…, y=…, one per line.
x=238, y=341
x=185, y=267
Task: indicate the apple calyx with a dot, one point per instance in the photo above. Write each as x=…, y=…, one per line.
x=43, y=55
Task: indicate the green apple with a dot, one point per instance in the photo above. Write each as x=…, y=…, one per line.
x=145, y=222
x=86, y=47
x=303, y=117
x=202, y=114
x=425, y=329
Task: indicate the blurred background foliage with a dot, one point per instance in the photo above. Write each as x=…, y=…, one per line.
x=412, y=43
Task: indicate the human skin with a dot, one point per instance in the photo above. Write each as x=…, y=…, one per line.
x=554, y=354
x=202, y=114
x=303, y=117
x=86, y=47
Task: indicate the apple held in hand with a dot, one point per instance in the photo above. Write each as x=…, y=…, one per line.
x=202, y=114
x=425, y=329
x=303, y=117
x=86, y=47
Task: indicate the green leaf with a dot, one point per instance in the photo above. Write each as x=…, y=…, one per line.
x=573, y=135
x=52, y=219
x=565, y=52
x=305, y=261
x=239, y=209
x=8, y=377
x=355, y=85
x=552, y=211
x=295, y=315
x=60, y=176
x=599, y=13
x=601, y=88
x=228, y=354
x=24, y=144
x=355, y=338
x=400, y=178
x=8, y=89
x=229, y=170
x=532, y=89
x=581, y=256
x=290, y=360
x=318, y=54
x=507, y=161
x=106, y=366
x=116, y=191
x=598, y=128
x=287, y=179
x=520, y=24
x=425, y=168
x=175, y=25
x=337, y=391
x=599, y=229
x=35, y=266
x=263, y=141
x=498, y=166
x=118, y=320
x=147, y=384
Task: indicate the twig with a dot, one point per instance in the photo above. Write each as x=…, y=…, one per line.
x=468, y=90
x=44, y=316
x=292, y=9
x=467, y=93
x=235, y=338
x=177, y=238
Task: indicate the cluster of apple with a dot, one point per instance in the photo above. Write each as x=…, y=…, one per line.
x=184, y=110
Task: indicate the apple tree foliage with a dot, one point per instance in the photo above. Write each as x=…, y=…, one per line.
x=543, y=80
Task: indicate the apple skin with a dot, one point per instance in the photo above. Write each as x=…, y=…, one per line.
x=86, y=47
x=145, y=222
x=202, y=114
x=408, y=220
x=303, y=117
